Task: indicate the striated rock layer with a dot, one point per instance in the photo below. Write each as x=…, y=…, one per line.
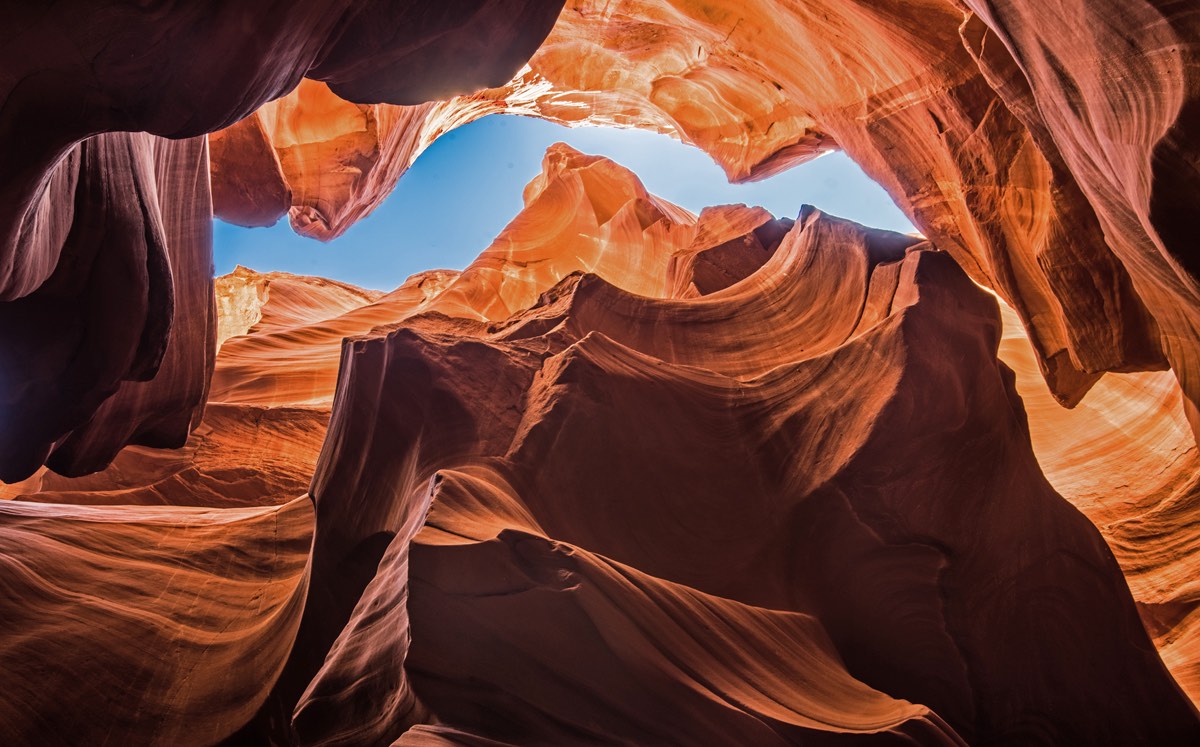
x=996, y=127
x=635, y=475
x=619, y=481
x=648, y=491
x=1002, y=139
x=582, y=213
x=106, y=324
x=1127, y=459
x=156, y=601
x=93, y=358
x=144, y=625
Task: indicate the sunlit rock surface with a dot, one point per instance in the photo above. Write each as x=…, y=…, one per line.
x=1116, y=87
x=156, y=601
x=1127, y=459
x=635, y=475
x=680, y=500
x=583, y=213
x=1003, y=139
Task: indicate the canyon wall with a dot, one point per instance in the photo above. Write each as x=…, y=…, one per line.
x=81, y=326
x=680, y=500
x=998, y=135
x=1033, y=176
x=635, y=475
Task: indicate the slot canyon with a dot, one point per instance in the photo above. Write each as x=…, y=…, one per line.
x=637, y=474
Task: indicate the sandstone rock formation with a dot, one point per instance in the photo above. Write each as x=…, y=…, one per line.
x=1017, y=167
x=144, y=624
x=157, y=600
x=1127, y=459
x=997, y=152
x=684, y=492
x=634, y=475
x=582, y=213
x=75, y=79
x=629, y=467
x=93, y=359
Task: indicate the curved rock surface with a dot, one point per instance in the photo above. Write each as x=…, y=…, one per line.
x=156, y=601
x=997, y=135
x=673, y=483
x=1133, y=149
x=145, y=625
x=93, y=358
x=635, y=475
x=75, y=80
x=581, y=213
x=604, y=458
x=1127, y=459
x=992, y=133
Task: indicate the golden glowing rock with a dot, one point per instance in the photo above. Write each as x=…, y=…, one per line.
x=631, y=449
x=582, y=214
x=1126, y=458
x=579, y=485
x=926, y=98
x=635, y=475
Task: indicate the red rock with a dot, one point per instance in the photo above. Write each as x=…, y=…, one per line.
x=148, y=624
x=946, y=119
x=83, y=68
x=582, y=213
x=1126, y=458
x=1132, y=147
x=614, y=436
x=85, y=350
x=634, y=476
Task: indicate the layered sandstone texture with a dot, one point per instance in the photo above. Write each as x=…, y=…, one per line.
x=1054, y=156
x=629, y=449
x=107, y=324
x=635, y=475
x=656, y=494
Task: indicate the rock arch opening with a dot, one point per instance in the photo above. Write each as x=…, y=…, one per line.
x=465, y=188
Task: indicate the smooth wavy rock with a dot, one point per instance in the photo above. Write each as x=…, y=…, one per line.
x=942, y=116
x=581, y=213
x=144, y=625
x=156, y=601
x=998, y=136
x=126, y=333
x=267, y=302
x=1127, y=459
x=731, y=243
x=636, y=495
x=1133, y=147
x=1106, y=452
x=140, y=68
x=552, y=509
x=323, y=161
x=240, y=455
x=248, y=453
x=639, y=656
x=93, y=357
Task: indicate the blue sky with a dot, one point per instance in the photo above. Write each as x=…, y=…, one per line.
x=464, y=189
